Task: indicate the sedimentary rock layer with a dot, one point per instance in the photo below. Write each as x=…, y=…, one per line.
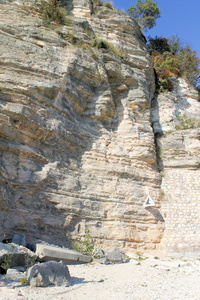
x=176, y=123
x=77, y=147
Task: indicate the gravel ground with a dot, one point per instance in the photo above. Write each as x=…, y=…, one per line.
x=150, y=279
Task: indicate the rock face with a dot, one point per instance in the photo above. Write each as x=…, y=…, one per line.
x=77, y=146
x=176, y=123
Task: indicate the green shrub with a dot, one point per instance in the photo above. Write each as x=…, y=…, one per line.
x=86, y=245
x=108, y=4
x=158, y=44
x=97, y=2
x=7, y=263
x=171, y=58
x=52, y=11
x=166, y=66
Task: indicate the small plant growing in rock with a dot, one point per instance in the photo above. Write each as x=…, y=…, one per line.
x=97, y=2
x=102, y=44
x=86, y=245
x=108, y=5
x=23, y=281
x=99, y=43
x=52, y=11
x=140, y=257
x=7, y=261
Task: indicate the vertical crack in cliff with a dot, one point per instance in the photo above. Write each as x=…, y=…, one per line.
x=157, y=129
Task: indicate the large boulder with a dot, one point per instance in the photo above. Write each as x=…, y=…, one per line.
x=113, y=256
x=14, y=255
x=49, y=273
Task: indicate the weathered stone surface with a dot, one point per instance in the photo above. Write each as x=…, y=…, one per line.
x=14, y=275
x=46, y=253
x=19, y=239
x=48, y=273
x=15, y=255
x=113, y=256
x=176, y=123
x=77, y=146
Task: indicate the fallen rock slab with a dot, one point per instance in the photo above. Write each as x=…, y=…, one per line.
x=47, y=253
x=48, y=273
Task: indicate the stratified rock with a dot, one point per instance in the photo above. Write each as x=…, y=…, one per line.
x=48, y=273
x=77, y=145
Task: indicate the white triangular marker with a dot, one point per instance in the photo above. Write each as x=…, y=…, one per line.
x=148, y=202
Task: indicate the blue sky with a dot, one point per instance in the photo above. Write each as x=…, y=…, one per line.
x=178, y=17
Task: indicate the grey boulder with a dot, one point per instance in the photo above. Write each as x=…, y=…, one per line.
x=49, y=273
x=14, y=255
x=19, y=239
x=113, y=256
x=14, y=274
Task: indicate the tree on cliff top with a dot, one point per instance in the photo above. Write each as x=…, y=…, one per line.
x=145, y=13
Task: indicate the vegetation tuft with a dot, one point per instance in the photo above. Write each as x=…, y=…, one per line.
x=7, y=263
x=107, y=4
x=85, y=245
x=102, y=44
x=52, y=11
x=23, y=280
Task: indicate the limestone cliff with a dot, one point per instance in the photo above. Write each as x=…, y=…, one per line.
x=176, y=123
x=77, y=145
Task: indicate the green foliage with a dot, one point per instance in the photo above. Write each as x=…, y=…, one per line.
x=108, y=4
x=166, y=66
x=7, y=263
x=145, y=13
x=23, y=280
x=172, y=58
x=158, y=44
x=85, y=245
x=175, y=44
x=97, y=2
x=140, y=257
x=52, y=11
x=189, y=64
